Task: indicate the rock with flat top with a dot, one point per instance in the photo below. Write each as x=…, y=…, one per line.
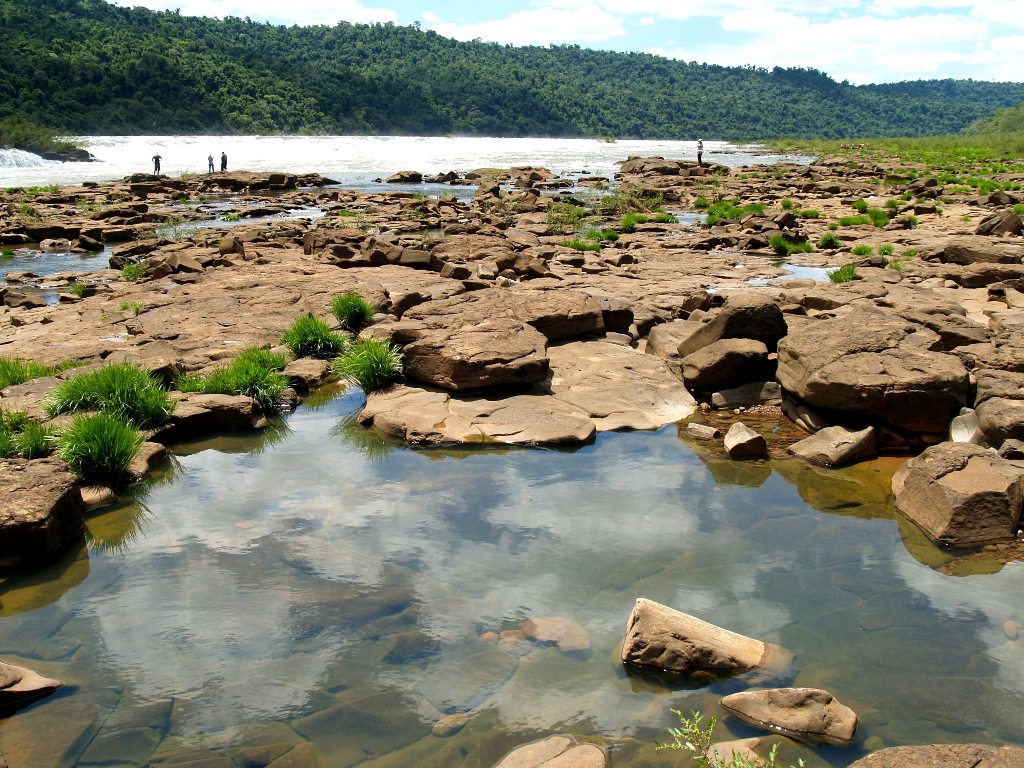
x=836, y=446
x=944, y=756
x=741, y=442
x=40, y=510
x=665, y=639
x=554, y=752
x=803, y=713
x=747, y=395
x=727, y=363
x=745, y=315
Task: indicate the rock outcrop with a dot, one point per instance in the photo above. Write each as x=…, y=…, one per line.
x=40, y=510
x=944, y=756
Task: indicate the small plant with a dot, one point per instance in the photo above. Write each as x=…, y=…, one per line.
x=78, y=289
x=829, y=241
x=729, y=210
x=786, y=203
x=581, y=245
x=701, y=203
x=833, y=227
x=664, y=217
x=862, y=250
x=121, y=389
x=7, y=253
x=597, y=235
x=371, y=363
x=1018, y=209
x=809, y=213
x=784, y=247
x=231, y=217
x=896, y=264
x=878, y=216
x=255, y=373
x=100, y=448
x=562, y=217
x=131, y=273
x=860, y=206
x=630, y=220
x=909, y=253
x=691, y=737
x=352, y=311
x=887, y=249
x=892, y=204
x=842, y=274
x=132, y=306
x=854, y=221
x=912, y=221
x=14, y=370
x=309, y=336
x=35, y=441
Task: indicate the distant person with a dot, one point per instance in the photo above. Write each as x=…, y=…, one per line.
x=209, y=162
x=700, y=151
x=156, y=164
x=223, y=161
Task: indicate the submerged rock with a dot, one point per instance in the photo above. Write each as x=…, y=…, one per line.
x=662, y=638
x=567, y=634
x=803, y=713
x=554, y=752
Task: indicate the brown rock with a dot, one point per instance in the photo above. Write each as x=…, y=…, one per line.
x=803, y=713
x=1000, y=223
x=741, y=442
x=554, y=752
x=150, y=456
x=727, y=363
x=944, y=756
x=665, y=639
x=836, y=446
x=961, y=495
x=307, y=372
x=567, y=634
x=1001, y=419
x=745, y=315
x=40, y=510
x=20, y=686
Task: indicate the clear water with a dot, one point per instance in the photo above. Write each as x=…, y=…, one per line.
x=356, y=161
x=316, y=584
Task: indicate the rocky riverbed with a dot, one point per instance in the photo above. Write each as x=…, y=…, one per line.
x=512, y=334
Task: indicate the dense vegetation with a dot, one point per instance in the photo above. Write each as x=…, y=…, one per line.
x=1005, y=121
x=85, y=66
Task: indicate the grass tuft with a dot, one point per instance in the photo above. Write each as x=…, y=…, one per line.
x=578, y=244
x=132, y=273
x=829, y=241
x=100, y=448
x=255, y=373
x=121, y=389
x=309, y=336
x=14, y=370
x=842, y=274
x=371, y=363
x=352, y=311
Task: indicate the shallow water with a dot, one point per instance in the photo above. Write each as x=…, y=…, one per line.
x=314, y=583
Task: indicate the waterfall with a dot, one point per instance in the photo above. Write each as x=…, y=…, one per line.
x=19, y=158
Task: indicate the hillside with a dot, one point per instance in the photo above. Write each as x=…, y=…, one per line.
x=1009, y=120
x=85, y=66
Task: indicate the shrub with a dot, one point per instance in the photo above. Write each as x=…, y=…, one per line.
x=786, y=204
x=352, y=311
x=630, y=220
x=828, y=240
x=121, y=389
x=133, y=306
x=692, y=738
x=861, y=206
x=371, y=363
x=843, y=274
x=254, y=373
x=624, y=200
x=78, y=289
x=100, y=447
x=133, y=272
x=861, y=250
x=701, y=203
x=886, y=250
x=565, y=216
x=581, y=245
x=310, y=336
x=878, y=217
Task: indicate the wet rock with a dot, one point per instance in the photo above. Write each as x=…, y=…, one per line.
x=201, y=414
x=150, y=456
x=724, y=751
x=803, y=713
x=306, y=372
x=745, y=315
x=874, y=363
x=727, y=363
x=554, y=752
x=40, y=510
x=22, y=300
x=705, y=431
x=20, y=686
x=449, y=725
x=405, y=177
x=665, y=639
x=748, y=395
x=961, y=495
x=804, y=417
x=567, y=634
x=741, y=442
x=836, y=446
x=944, y=756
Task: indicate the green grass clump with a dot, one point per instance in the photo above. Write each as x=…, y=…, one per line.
x=255, y=373
x=784, y=247
x=100, y=448
x=131, y=273
x=888, y=249
x=809, y=213
x=371, y=363
x=828, y=240
x=14, y=370
x=786, y=203
x=896, y=264
x=35, y=441
x=912, y=221
x=909, y=253
x=309, y=336
x=630, y=221
x=625, y=200
x=862, y=250
x=578, y=244
x=122, y=389
x=7, y=253
x=860, y=206
x=597, y=235
x=854, y=221
x=352, y=311
x=132, y=306
x=701, y=203
x=878, y=217
x=231, y=217
x=78, y=289
x=892, y=204
x=729, y=210
x=565, y=216
x=842, y=274
x=1018, y=209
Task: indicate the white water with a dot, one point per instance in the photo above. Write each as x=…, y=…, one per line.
x=352, y=159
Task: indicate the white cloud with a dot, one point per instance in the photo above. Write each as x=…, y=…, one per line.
x=303, y=13
x=556, y=21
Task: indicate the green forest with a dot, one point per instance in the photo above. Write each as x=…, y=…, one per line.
x=87, y=67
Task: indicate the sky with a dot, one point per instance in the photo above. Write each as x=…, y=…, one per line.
x=863, y=41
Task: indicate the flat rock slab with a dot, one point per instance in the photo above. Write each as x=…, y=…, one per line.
x=662, y=638
x=618, y=387
x=554, y=752
x=803, y=713
x=20, y=686
x=567, y=634
x=961, y=495
x=944, y=756
x=40, y=509
x=423, y=416
x=741, y=442
x=836, y=446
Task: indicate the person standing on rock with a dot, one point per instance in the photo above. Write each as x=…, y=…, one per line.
x=700, y=151
x=223, y=161
x=209, y=162
x=156, y=164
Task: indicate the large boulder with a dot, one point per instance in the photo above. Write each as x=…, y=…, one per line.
x=40, y=510
x=961, y=495
x=554, y=752
x=876, y=365
x=803, y=713
x=745, y=315
x=664, y=340
x=664, y=639
x=1001, y=419
x=1000, y=223
x=945, y=756
x=727, y=363
x=836, y=446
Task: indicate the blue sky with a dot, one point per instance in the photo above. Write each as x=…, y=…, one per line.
x=863, y=41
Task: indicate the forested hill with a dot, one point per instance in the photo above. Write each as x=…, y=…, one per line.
x=88, y=67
